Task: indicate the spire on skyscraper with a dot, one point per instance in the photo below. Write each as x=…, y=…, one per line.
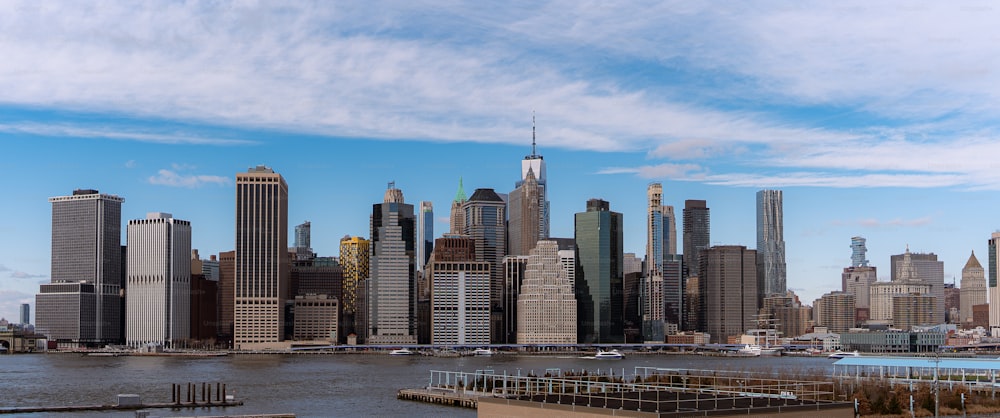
x=534, y=154
x=460, y=195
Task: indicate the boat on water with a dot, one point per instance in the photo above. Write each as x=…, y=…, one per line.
x=401, y=352
x=609, y=355
x=483, y=352
x=841, y=354
x=749, y=350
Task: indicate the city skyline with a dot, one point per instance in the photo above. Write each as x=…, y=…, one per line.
x=884, y=132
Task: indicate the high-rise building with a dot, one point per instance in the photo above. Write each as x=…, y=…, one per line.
x=632, y=281
x=670, y=229
x=907, y=282
x=973, y=291
x=25, y=314
x=460, y=293
x=910, y=310
x=485, y=222
x=952, y=302
x=82, y=304
x=546, y=311
x=835, y=310
x=930, y=271
x=728, y=290
x=425, y=232
x=858, y=250
x=599, y=274
x=993, y=290
x=791, y=318
x=513, y=267
x=535, y=164
x=158, y=305
x=697, y=234
x=227, y=295
x=316, y=317
x=858, y=282
x=651, y=288
x=262, y=263
x=457, y=218
x=303, y=235
x=770, y=244
x=529, y=207
x=392, y=287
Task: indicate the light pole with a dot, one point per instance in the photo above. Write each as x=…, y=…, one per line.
x=937, y=386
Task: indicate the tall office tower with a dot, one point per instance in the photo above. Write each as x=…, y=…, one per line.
x=834, y=310
x=227, y=295
x=728, y=288
x=546, y=303
x=858, y=250
x=392, y=297
x=354, y=259
x=673, y=293
x=930, y=271
x=858, y=281
x=670, y=229
x=425, y=233
x=485, y=222
x=632, y=281
x=303, y=235
x=599, y=274
x=513, y=267
x=535, y=164
x=697, y=234
x=158, y=306
x=460, y=293
x=770, y=244
x=651, y=289
x=457, y=218
x=973, y=291
x=25, y=314
x=204, y=300
x=262, y=264
x=692, y=304
x=907, y=281
x=82, y=304
x=994, y=291
x=524, y=224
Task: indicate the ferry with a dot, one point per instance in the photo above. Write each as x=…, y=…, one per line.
x=840, y=354
x=401, y=352
x=483, y=352
x=749, y=350
x=609, y=355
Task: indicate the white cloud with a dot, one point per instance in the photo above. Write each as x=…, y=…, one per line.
x=170, y=178
x=668, y=171
x=130, y=164
x=115, y=133
x=891, y=223
x=23, y=275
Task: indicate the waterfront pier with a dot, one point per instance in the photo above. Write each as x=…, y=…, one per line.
x=129, y=402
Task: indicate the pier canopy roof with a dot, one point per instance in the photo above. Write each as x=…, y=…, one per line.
x=850, y=366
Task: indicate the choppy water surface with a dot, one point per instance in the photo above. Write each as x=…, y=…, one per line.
x=307, y=385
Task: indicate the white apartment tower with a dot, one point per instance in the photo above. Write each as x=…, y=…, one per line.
x=651, y=297
x=262, y=262
x=158, y=305
x=546, y=311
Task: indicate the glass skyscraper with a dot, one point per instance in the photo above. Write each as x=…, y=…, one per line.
x=599, y=274
x=392, y=288
x=425, y=233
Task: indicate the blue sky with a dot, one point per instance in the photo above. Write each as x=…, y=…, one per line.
x=876, y=120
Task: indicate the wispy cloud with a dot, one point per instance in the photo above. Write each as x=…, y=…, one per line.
x=131, y=164
x=171, y=178
x=841, y=94
x=23, y=275
x=890, y=223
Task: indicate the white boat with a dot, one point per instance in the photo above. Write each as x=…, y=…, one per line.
x=401, y=352
x=609, y=355
x=841, y=354
x=749, y=350
x=483, y=352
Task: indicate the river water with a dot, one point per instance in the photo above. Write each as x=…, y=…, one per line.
x=309, y=385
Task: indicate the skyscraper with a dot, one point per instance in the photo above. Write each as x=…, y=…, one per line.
x=546, y=312
x=728, y=290
x=82, y=304
x=651, y=288
x=770, y=244
x=485, y=223
x=354, y=258
x=262, y=263
x=906, y=281
x=928, y=270
x=25, y=314
x=599, y=274
x=858, y=250
x=425, y=232
x=457, y=218
x=513, y=267
x=670, y=229
x=227, y=295
x=529, y=205
x=303, y=235
x=973, y=290
x=158, y=306
x=994, y=290
x=392, y=287
x=460, y=293
x=835, y=310
x=697, y=234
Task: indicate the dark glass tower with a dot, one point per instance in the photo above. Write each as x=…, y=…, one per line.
x=599, y=274
x=697, y=234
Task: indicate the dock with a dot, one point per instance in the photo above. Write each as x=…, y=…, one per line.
x=130, y=402
x=441, y=397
